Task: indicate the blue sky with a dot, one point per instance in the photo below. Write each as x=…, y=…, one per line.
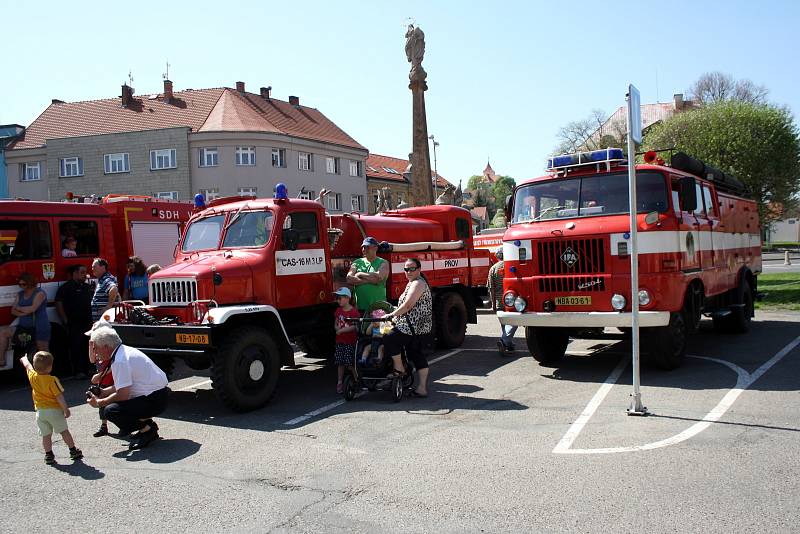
x=502, y=76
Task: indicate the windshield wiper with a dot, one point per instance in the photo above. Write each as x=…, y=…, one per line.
x=235, y=216
x=542, y=214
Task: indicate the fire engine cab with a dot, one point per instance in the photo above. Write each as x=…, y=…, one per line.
x=32, y=235
x=252, y=276
x=567, y=263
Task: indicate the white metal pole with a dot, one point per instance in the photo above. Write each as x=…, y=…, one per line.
x=636, y=407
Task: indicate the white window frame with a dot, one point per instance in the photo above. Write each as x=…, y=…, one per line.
x=163, y=158
x=249, y=190
x=357, y=203
x=333, y=201
x=209, y=157
x=116, y=163
x=210, y=193
x=355, y=168
x=331, y=165
x=167, y=195
x=308, y=195
x=246, y=156
x=305, y=161
x=31, y=176
x=278, y=157
x=66, y=166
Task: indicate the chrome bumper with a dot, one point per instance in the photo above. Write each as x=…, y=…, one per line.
x=582, y=319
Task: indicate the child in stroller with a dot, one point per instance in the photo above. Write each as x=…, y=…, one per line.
x=373, y=351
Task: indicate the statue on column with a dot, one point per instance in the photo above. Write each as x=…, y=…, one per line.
x=415, y=52
x=420, y=161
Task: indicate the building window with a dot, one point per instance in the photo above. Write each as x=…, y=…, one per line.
x=71, y=167
x=278, y=157
x=332, y=165
x=167, y=195
x=304, y=161
x=209, y=157
x=114, y=163
x=307, y=194
x=333, y=201
x=163, y=159
x=210, y=194
x=246, y=155
x=247, y=191
x=355, y=168
x=31, y=172
x=357, y=202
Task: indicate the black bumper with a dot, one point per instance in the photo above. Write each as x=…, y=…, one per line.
x=164, y=340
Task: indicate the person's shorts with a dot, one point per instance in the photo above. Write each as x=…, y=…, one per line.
x=50, y=420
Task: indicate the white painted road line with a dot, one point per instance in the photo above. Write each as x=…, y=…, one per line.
x=333, y=405
x=194, y=386
x=744, y=381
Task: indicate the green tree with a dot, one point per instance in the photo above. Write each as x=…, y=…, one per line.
x=756, y=143
x=474, y=182
x=501, y=188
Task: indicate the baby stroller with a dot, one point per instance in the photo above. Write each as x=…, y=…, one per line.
x=371, y=373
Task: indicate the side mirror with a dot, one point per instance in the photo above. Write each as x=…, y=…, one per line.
x=507, y=208
x=290, y=239
x=688, y=194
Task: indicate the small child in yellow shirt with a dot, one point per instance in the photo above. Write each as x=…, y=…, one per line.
x=51, y=408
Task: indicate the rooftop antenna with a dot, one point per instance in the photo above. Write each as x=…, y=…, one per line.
x=130, y=78
x=166, y=74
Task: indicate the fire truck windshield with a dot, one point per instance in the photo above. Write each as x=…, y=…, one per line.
x=585, y=196
x=250, y=229
x=203, y=234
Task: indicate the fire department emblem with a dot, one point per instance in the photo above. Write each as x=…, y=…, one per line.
x=569, y=256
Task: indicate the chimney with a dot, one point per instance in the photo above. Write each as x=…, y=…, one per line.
x=294, y=100
x=57, y=101
x=167, y=90
x=127, y=95
x=240, y=87
x=265, y=92
x=677, y=101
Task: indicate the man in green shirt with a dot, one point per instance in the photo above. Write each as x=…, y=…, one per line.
x=368, y=275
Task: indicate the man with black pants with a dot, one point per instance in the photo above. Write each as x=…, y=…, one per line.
x=139, y=392
x=74, y=307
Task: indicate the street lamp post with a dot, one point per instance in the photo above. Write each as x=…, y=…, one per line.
x=435, y=171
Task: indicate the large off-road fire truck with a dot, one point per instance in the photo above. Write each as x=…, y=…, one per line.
x=252, y=276
x=567, y=263
x=32, y=235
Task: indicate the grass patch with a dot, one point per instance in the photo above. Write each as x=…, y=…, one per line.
x=782, y=291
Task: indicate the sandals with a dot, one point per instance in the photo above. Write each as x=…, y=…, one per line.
x=396, y=374
x=413, y=393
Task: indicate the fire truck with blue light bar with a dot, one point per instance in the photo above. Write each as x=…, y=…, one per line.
x=252, y=276
x=567, y=248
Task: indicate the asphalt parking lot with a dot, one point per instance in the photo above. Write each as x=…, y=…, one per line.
x=502, y=444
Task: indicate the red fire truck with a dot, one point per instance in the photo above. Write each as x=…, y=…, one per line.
x=32, y=234
x=490, y=239
x=567, y=250
x=251, y=276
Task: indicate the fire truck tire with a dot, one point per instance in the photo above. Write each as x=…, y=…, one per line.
x=450, y=316
x=666, y=345
x=738, y=321
x=547, y=345
x=246, y=368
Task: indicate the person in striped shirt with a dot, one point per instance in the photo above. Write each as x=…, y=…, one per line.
x=107, y=290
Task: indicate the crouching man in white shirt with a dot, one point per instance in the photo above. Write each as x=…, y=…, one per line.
x=139, y=392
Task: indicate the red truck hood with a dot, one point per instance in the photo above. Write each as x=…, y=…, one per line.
x=608, y=224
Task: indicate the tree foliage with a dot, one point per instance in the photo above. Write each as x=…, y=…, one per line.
x=474, y=182
x=756, y=143
x=715, y=87
x=501, y=188
x=594, y=132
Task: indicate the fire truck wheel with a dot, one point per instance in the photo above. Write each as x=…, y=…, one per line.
x=738, y=321
x=245, y=370
x=547, y=345
x=450, y=316
x=666, y=345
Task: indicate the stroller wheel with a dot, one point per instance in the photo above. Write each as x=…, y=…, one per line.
x=349, y=388
x=397, y=389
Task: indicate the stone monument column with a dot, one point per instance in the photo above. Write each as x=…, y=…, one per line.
x=421, y=176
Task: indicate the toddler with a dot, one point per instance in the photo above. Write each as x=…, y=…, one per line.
x=51, y=408
x=346, y=336
x=375, y=347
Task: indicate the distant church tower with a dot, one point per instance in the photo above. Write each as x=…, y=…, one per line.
x=488, y=173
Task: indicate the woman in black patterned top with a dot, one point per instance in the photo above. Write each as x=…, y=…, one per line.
x=412, y=318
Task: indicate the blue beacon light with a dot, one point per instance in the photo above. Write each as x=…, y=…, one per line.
x=280, y=192
x=199, y=201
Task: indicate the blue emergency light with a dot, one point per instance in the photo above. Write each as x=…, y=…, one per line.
x=579, y=159
x=280, y=192
x=199, y=201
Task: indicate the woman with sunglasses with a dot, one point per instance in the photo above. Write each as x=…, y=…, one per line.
x=30, y=305
x=412, y=318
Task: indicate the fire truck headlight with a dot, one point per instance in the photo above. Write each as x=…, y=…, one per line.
x=618, y=302
x=644, y=297
x=520, y=304
x=508, y=299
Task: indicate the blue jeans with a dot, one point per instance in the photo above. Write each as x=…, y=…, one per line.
x=507, y=334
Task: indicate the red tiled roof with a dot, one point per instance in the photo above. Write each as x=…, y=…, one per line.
x=381, y=163
x=480, y=212
x=202, y=110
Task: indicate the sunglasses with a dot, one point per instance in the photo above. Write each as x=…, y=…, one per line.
x=409, y=269
x=22, y=284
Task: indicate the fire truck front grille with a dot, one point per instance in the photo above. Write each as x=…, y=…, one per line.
x=565, y=284
x=175, y=292
x=572, y=256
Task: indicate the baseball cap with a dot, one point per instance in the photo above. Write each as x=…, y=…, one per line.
x=96, y=325
x=343, y=292
x=369, y=242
